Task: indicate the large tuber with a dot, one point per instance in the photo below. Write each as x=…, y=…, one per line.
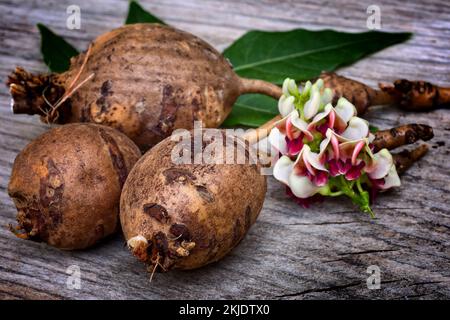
x=144, y=79
x=186, y=215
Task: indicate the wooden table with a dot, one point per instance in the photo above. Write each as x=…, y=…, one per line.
x=291, y=252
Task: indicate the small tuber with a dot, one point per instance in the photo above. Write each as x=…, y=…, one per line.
x=66, y=184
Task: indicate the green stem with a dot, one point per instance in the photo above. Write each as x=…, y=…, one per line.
x=358, y=184
x=359, y=198
x=336, y=194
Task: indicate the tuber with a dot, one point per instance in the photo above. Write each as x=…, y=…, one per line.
x=66, y=184
x=402, y=135
x=408, y=95
x=404, y=159
x=186, y=215
x=144, y=79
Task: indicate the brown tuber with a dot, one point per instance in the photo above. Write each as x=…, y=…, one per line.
x=408, y=95
x=402, y=135
x=66, y=184
x=184, y=216
x=144, y=79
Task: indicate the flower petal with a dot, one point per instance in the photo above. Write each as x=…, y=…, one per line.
x=278, y=140
x=354, y=172
x=286, y=126
x=301, y=186
x=333, y=165
x=344, y=166
x=282, y=169
x=286, y=105
x=381, y=164
x=289, y=129
x=392, y=179
x=357, y=129
x=312, y=158
x=320, y=179
x=318, y=84
x=327, y=96
x=294, y=146
x=306, y=88
x=345, y=109
x=332, y=119
x=359, y=146
x=335, y=145
x=320, y=116
x=346, y=149
x=323, y=145
x=312, y=105
x=300, y=124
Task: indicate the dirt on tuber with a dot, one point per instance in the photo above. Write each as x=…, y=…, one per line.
x=186, y=215
x=66, y=184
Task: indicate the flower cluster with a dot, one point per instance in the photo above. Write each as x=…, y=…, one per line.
x=327, y=149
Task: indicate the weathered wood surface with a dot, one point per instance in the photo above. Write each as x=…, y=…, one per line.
x=290, y=253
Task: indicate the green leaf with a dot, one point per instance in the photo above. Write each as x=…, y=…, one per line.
x=373, y=128
x=55, y=50
x=298, y=54
x=252, y=110
x=137, y=14
x=302, y=54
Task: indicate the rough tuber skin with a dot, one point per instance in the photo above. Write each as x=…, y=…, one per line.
x=66, y=184
x=408, y=95
x=402, y=135
x=405, y=159
x=417, y=95
x=146, y=80
x=359, y=94
x=184, y=216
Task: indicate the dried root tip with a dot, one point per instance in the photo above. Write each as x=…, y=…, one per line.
x=164, y=252
x=18, y=232
x=28, y=225
x=184, y=248
x=402, y=135
x=404, y=159
x=33, y=94
x=160, y=253
x=417, y=95
x=138, y=246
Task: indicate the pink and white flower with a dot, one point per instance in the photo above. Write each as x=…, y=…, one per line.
x=319, y=142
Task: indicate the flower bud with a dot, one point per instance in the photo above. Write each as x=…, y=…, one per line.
x=290, y=87
x=312, y=105
x=286, y=105
x=307, y=88
x=327, y=96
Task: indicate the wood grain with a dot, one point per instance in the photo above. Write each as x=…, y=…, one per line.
x=291, y=252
